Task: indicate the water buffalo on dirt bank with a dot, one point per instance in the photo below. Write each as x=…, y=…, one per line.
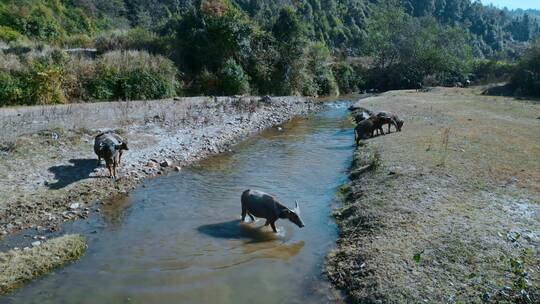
x=366, y=128
x=390, y=119
x=110, y=146
x=262, y=205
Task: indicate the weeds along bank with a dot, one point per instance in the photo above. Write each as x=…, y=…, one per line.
x=51, y=76
x=446, y=210
x=48, y=168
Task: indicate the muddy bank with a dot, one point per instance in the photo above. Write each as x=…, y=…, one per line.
x=447, y=210
x=48, y=171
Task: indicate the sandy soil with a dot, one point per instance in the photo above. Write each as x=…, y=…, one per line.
x=48, y=170
x=448, y=210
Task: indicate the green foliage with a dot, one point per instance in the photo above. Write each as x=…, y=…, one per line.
x=135, y=39
x=51, y=76
x=526, y=79
x=8, y=34
x=407, y=50
x=489, y=71
x=130, y=75
x=319, y=68
x=233, y=80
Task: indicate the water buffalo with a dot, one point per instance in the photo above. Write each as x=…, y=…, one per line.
x=390, y=119
x=123, y=144
x=262, y=205
x=109, y=146
x=366, y=128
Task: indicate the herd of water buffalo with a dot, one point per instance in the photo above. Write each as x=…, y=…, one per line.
x=368, y=123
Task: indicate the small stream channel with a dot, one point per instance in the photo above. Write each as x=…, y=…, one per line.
x=178, y=238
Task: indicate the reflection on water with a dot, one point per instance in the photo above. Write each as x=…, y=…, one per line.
x=179, y=239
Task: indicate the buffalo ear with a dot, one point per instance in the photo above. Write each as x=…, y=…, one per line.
x=284, y=213
x=296, y=207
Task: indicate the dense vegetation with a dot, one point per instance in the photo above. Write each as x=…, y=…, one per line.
x=310, y=47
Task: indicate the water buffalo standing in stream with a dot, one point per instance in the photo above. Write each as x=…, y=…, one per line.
x=262, y=205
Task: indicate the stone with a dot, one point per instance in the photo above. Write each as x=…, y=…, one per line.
x=36, y=243
x=166, y=163
x=177, y=168
x=74, y=206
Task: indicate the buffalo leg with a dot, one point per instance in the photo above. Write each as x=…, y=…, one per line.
x=99, y=161
x=273, y=225
x=251, y=217
x=244, y=212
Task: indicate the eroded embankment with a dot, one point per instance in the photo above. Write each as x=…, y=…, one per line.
x=48, y=169
x=448, y=209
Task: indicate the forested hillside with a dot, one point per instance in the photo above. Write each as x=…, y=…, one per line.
x=310, y=47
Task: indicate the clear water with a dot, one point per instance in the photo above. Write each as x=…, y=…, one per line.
x=178, y=238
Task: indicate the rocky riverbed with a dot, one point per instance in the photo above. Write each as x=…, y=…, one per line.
x=48, y=172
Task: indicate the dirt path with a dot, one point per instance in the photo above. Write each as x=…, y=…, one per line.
x=48, y=168
x=450, y=210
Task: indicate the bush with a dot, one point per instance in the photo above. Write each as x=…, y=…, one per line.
x=10, y=89
x=233, y=80
x=319, y=69
x=489, y=71
x=78, y=41
x=8, y=34
x=78, y=72
x=345, y=78
x=137, y=39
x=132, y=75
x=526, y=79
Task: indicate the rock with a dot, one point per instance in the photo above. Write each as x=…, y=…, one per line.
x=74, y=206
x=266, y=99
x=166, y=163
x=152, y=163
x=177, y=168
x=36, y=243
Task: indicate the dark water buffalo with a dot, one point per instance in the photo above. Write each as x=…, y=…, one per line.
x=262, y=205
x=109, y=146
x=366, y=128
x=390, y=119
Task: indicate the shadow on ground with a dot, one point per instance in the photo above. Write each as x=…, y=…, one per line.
x=66, y=175
x=236, y=229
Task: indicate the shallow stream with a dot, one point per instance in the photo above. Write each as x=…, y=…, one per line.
x=178, y=238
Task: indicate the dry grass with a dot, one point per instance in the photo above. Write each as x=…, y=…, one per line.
x=20, y=266
x=452, y=213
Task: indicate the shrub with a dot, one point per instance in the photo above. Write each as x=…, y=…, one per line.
x=132, y=75
x=488, y=71
x=526, y=79
x=78, y=72
x=318, y=68
x=233, y=80
x=345, y=77
x=8, y=34
x=78, y=41
x=10, y=63
x=10, y=89
x=135, y=39
x=44, y=84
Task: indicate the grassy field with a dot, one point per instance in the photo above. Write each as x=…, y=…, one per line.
x=450, y=210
